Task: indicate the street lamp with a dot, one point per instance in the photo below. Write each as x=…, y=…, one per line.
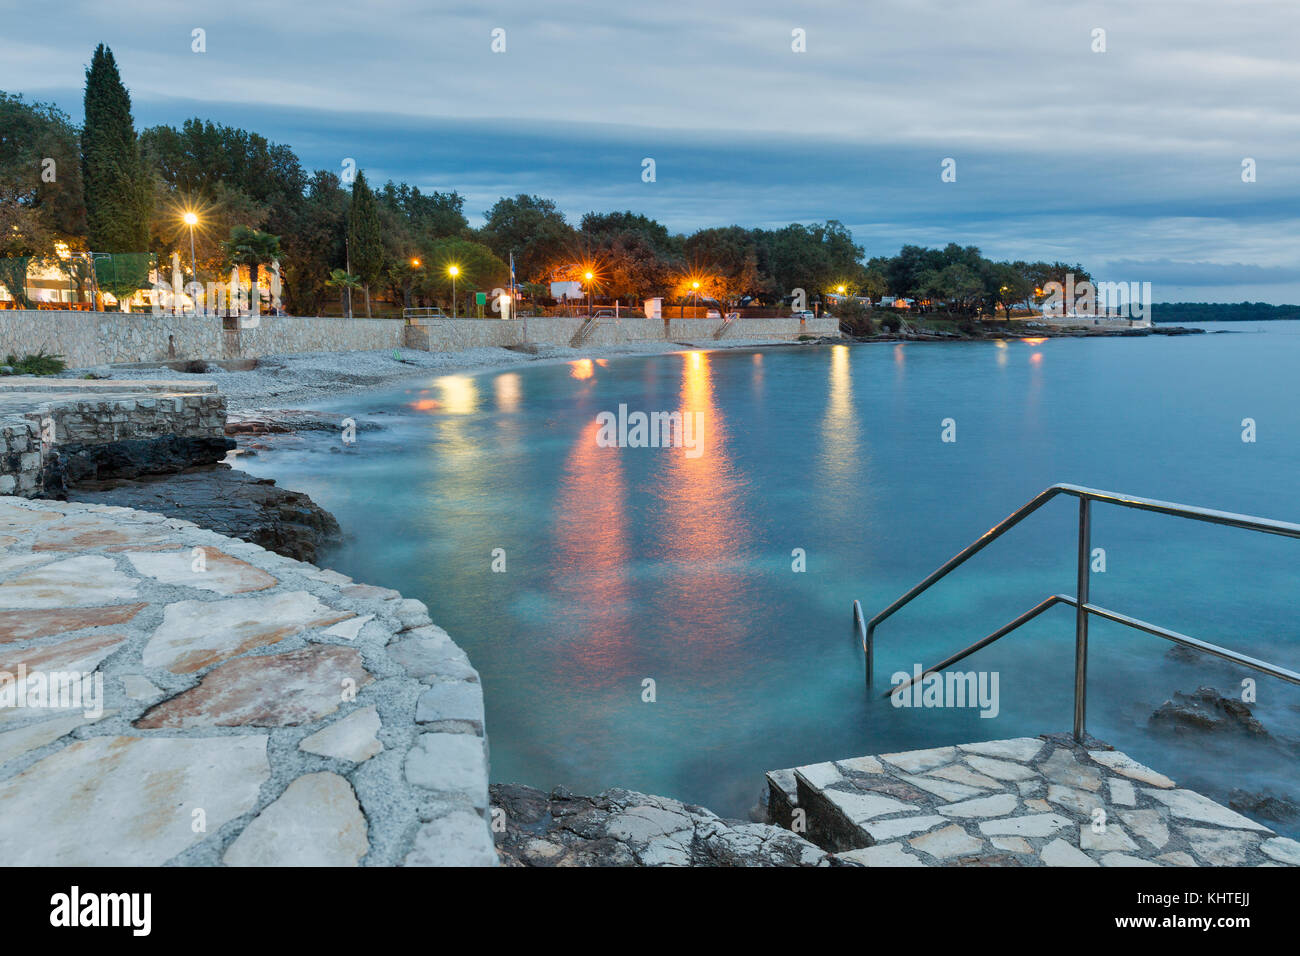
x=191, y=220
x=588, y=276
x=839, y=289
x=453, y=272
x=695, y=293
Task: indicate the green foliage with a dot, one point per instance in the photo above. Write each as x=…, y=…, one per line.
x=118, y=190
x=40, y=168
x=123, y=273
x=252, y=248
x=312, y=243
x=1221, y=312
x=365, y=236
x=42, y=363
x=535, y=231
x=479, y=268
x=13, y=276
x=855, y=316
x=345, y=282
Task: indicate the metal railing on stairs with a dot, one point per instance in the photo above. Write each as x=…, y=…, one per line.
x=584, y=332
x=1083, y=608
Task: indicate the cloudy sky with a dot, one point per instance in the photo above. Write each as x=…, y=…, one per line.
x=1128, y=160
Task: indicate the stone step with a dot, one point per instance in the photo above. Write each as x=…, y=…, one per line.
x=1026, y=801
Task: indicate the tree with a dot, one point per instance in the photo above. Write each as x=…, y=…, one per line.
x=365, y=236
x=533, y=229
x=637, y=257
x=430, y=216
x=22, y=236
x=479, y=269
x=345, y=282
x=313, y=243
x=40, y=167
x=118, y=192
x=252, y=248
x=1014, y=287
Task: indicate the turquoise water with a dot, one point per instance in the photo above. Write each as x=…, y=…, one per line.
x=628, y=564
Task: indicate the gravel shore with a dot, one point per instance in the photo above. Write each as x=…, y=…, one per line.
x=318, y=375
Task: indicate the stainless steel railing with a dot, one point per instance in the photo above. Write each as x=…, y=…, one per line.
x=1083, y=609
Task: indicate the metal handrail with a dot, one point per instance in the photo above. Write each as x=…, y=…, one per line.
x=1083, y=609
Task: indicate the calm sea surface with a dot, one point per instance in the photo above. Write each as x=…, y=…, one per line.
x=624, y=565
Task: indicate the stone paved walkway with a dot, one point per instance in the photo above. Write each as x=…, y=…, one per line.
x=229, y=705
x=1030, y=801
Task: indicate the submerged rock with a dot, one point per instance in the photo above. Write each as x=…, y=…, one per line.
x=1207, y=709
x=281, y=421
x=230, y=502
x=626, y=828
x=1264, y=805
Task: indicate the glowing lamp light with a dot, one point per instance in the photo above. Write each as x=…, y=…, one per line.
x=454, y=271
x=191, y=219
x=415, y=263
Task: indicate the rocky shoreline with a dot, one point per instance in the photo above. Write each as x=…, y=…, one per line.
x=985, y=333
x=230, y=502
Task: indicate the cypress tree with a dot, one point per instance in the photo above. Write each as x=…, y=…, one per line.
x=113, y=176
x=365, y=236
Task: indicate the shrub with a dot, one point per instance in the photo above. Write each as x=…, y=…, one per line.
x=42, y=363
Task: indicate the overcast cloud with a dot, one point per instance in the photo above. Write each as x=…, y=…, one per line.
x=1128, y=161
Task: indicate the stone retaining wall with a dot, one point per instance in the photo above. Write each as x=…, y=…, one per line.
x=86, y=339
x=447, y=335
x=41, y=419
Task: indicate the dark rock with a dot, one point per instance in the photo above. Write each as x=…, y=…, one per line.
x=132, y=458
x=1207, y=709
x=280, y=421
x=626, y=828
x=1265, y=805
x=229, y=502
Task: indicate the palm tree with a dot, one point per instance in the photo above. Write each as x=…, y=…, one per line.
x=344, y=281
x=251, y=247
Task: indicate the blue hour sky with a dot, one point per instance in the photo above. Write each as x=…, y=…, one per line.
x=1128, y=161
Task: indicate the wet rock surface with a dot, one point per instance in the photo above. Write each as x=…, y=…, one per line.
x=134, y=458
x=1266, y=806
x=283, y=421
x=1207, y=709
x=626, y=828
x=229, y=502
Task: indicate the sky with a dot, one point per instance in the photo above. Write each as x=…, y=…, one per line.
x=1129, y=161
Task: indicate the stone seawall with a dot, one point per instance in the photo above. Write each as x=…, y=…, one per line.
x=447, y=335
x=86, y=339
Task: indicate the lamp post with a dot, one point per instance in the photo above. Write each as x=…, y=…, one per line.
x=588, y=276
x=191, y=220
x=695, y=293
x=453, y=272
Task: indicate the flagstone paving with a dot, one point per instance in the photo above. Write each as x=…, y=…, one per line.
x=1031, y=801
x=255, y=710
